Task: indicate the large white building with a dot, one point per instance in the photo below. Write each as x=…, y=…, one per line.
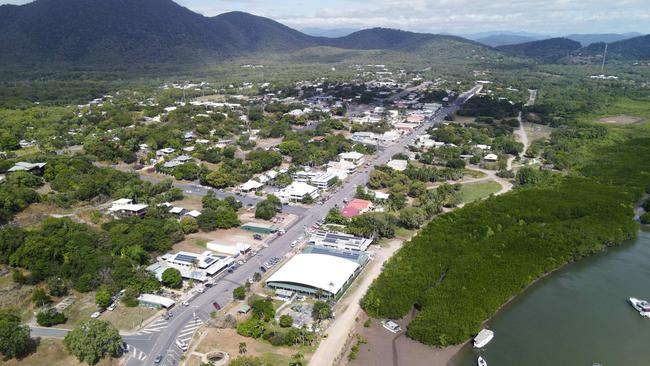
x=198, y=267
x=310, y=273
x=340, y=241
x=297, y=191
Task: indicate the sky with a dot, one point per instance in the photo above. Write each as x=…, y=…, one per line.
x=555, y=17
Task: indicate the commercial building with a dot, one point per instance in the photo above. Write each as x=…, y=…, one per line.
x=340, y=241
x=155, y=301
x=353, y=157
x=259, y=228
x=233, y=250
x=297, y=191
x=324, y=181
x=197, y=267
x=319, y=272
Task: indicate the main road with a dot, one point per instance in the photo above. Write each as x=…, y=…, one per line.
x=160, y=340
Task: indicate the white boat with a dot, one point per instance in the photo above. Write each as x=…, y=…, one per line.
x=483, y=338
x=642, y=306
x=481, y=361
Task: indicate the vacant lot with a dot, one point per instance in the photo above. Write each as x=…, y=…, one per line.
x=475, y=191
x=620, y=120
x=124, y=318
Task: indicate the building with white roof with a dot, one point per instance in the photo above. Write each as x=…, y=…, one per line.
x=22, y=166
x=197, y=267
x=398, y=165
x=353, y=157
x=250, y=186
x=491, y=157
x=324, y=181
x=297, y=191
x=310, y=273
x=125, y=207
x=155, y=301
x=341, y=241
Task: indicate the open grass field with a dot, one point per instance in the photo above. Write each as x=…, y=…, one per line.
x=475, y=191
x=51, y=352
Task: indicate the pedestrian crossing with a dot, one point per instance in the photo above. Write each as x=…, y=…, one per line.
x=188, y=330
x=154, y=327
x=136, y=353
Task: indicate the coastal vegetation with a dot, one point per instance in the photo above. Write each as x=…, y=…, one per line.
x=462, y=267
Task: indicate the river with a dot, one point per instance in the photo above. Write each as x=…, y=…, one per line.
x=577, y=316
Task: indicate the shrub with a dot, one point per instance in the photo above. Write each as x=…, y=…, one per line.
x=286, y=321
x=49, y=318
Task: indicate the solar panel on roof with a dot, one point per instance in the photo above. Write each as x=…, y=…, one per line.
x=209, y=260
x=185, y=258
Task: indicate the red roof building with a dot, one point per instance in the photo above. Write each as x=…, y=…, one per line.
x=356, y=207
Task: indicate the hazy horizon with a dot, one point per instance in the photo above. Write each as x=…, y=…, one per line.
x=553, y=17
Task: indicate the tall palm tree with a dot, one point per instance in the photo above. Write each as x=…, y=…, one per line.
x=242, y=348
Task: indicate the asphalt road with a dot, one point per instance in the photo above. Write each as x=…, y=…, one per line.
x=159, y=337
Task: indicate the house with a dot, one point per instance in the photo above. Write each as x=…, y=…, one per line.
x=164, y=152
x=297, y=191
x=178, y=211
x=491, y=157
x=122, y=209
x=193, y=213
x=398, y=165
x=250, y=186
x=353, y=157
x=356, y=207
x=22, y=166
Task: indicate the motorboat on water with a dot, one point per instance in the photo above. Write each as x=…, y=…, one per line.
x=642, y=306
x=481, y=361
x=483, y=338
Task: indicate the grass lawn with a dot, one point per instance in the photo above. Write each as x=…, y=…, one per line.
x=475, y=191
x=51, y=352
x=473, y=173
x=125, y=318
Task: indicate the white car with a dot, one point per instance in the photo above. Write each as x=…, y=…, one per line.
x=95, y=315
x=182, y=345
x=186, y=303
x=200, y=290
x=112, y=306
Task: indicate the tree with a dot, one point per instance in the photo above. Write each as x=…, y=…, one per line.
x=40, y=297
x=263, y=310
x=50, y=317
x=246, y=361
x=252, y=327
x=645, y=218
x=307, y=199
x=14, y=338
x=57, y=287
x=321, y=310
x=286, y=321
x=412, y=217
x=92, y=340
x=257, y=276
x=265, y=211
x=239, y=293
x=171, y=278
x=103, y=298
x=297, y=359
x=242, y=348
x=189, y=224
x=334, y=216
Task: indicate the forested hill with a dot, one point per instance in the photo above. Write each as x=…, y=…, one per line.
x=154, y=31
x=548, y=50
x=637, y=48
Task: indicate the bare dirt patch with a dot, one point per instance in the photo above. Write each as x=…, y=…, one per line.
x=620, y=120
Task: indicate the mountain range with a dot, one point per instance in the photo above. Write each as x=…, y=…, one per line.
x=160, y=31
x=496, y=39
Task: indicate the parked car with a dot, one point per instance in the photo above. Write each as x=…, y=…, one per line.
x=112, y=306
x=263, y=269
x=95, y=315
x=257, y=237
x=158, y=359
x=186, y=303
x=200, y=290
x=216, y=305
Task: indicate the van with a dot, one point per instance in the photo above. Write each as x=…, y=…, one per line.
x=182, y=345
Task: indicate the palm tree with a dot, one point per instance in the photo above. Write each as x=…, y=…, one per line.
x=242, y=348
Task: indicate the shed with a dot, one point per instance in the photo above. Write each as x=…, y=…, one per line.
x=259, y=228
